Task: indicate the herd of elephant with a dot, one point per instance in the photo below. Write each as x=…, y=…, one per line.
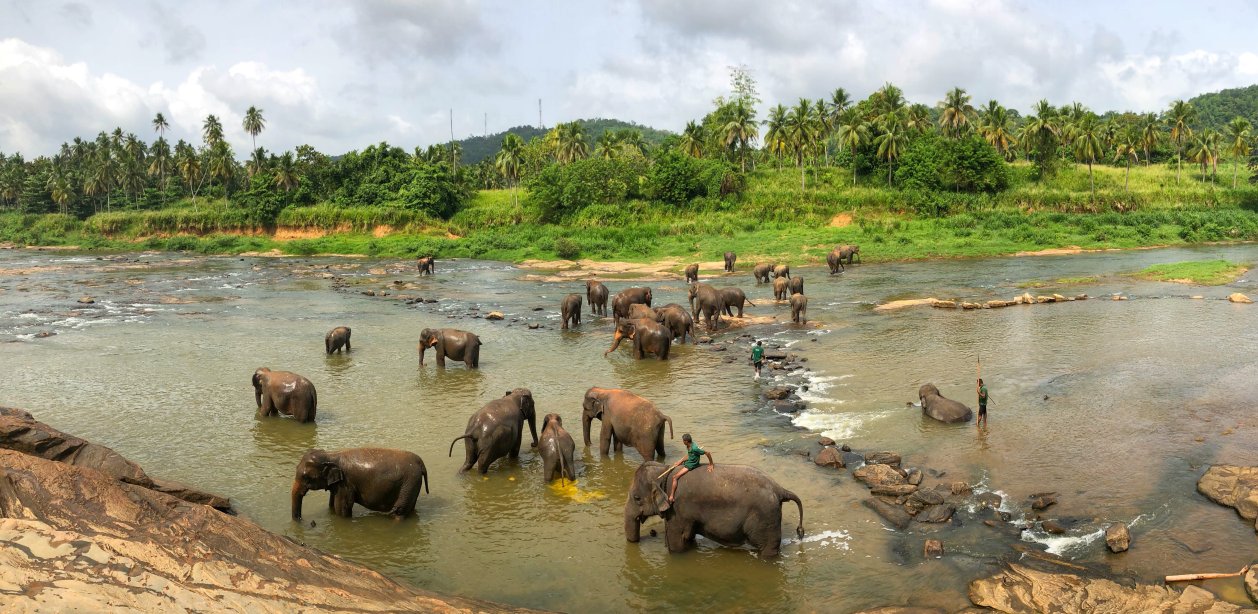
x=731, y=505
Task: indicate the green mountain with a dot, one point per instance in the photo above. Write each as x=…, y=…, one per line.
x=1217, y=109
x=479, y=148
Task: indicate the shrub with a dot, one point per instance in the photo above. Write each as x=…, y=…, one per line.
x=567, y=248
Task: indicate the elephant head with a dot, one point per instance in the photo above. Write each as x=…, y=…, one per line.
x=259, y=380
x=592, y=407
x=549, y=419
x=646, y=498
x=528, y=411
x=925, y=391
x=429, y=337
x=626, y=330
x=317, y=470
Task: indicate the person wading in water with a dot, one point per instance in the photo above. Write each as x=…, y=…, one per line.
x=757, y=357
x=693, y=452
x=982, y=404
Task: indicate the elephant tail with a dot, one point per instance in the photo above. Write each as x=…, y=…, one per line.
x=563, y=469
x=456, y=439
x=670, y=426
x=423, y=477
x=750, y=303
x=790, y=496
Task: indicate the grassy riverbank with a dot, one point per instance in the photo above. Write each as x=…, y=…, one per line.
x=1198, y=272
x=774, y=219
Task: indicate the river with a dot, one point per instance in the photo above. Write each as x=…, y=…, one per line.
x=1117, y=406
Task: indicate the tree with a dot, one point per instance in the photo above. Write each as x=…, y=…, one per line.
x=776, y=143
x=1179, y=118
x=741, y=132
x=801, y=131
x=888, y=99
x=509, y=159
x=917, y=119
x=211, y=131
x=691, y=142
x=188, y=165
x=1040, y=135
x=1126, y=146
x=1087, y=145
x=59, y=188
x=608, y=147
x=286, y=176
x=996, y=128
x=839, y=103
x=1238, y=133
x=253, y=124
x=1150, y=134
x=892, y=141
x=955, y=113
x=570, y=143
x=853, y=133
x=257, y=162
x=160, y=125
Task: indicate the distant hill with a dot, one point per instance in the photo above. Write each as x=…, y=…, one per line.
x=479, y=148
x=1217, y=109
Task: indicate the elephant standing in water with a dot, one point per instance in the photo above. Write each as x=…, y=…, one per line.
x=779, y=289
x=782, y=270
x=379, y=479
x=734, y=297
x=835, y=260
x=648, y=336
x=940, y=408
x=675, y=318
x=796, y=284
x=709, y=302
x=336, y=339
x=426, y=264
x=556, y=449
x=731, y=505
x=570, y=310
x=281, y=392
x=627, y=419
x=799, y=309
x=627, y=297
x=497, y=430
x=762, y=271
x=730, y=259
x=596, y=294
x=450, y=343
x=848, y=251
x=692, y=273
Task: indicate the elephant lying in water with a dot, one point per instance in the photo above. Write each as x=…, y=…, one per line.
x=731, y=505
x=379, y=479
x=282, y=392
x=940, y=408
x=497, y=430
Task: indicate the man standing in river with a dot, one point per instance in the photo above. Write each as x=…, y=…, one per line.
x=757, y=357
x=691, y=462
x=982, y=404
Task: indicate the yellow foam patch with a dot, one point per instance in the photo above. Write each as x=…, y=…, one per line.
x=570, y=489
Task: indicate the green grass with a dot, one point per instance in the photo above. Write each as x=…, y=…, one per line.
x=1060, y=281
x=1199, y=272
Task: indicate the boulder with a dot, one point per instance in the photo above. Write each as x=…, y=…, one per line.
x=76, y=539
x=1045, y=299
x=1059, y=298
x=787, y=407
x=534, y=326
x=989, y=499
x=893, y=490
x=969, y=305
x=1053, y=527
x=1251, y=582
x=86, y=300
x=960, y=488
x=936, y=513
x=932, y=549
x=1043, y=500
x=941, y=304
x=1117, y=537
x=1026, y=298
x=904, y=609
x=921, y=500
x=882, y=458
x=825, y=441
x=893, y=514
x=914, y=477
x=1233, y=486
x=494, y=315
x=778, y=393
x=878, y=475
x=997, y=303
x=829, y=457
x=1081, y=297
x=1235, y=297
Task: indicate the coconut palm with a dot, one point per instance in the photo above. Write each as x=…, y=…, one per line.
x=286, y=177
x=839, y=103
x=1179, y=118
x=888, y=99
x=1087, y=146
x=892, y=141
x=632, y=142
x=1041, y=132
x=253, y=124
x=60, y=190
x=996, y=127
x=691, y=142
x=853, y=134
x=917, y=119
x=1126, y=148
x=775, y=137
x=608, y=146
x=570, y=142
x=1150, y=134
x=740, y=132
x=1200, y=151
x=801, y=133
x=257, y=162
x=221, y=163
x=509, y=159
x=955, y=113
x=188, y=165
x=211, y=131
x=1238, y=133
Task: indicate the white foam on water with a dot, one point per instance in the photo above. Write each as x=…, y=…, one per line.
x=839, y=540
x=1061, y=544
x=837, y=426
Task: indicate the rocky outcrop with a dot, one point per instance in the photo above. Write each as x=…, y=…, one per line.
x=21, y=432
x=1040, y=582
x=1233, y=486
x=77, y=539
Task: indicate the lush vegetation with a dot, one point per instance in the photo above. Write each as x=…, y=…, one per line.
x=910, y=179
x=1201, y=272
x=476, y=149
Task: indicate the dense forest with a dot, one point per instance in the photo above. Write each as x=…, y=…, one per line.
x=479, y=148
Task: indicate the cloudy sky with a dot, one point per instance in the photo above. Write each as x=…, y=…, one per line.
x=342, y=74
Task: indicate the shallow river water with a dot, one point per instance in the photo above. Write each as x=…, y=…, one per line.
x=1118, y=406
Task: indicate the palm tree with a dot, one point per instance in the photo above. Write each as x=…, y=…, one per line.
x=801, y=132
x=917, y=119
x=996, y=127
x=222, y=165
x=1087, y=145
x=211, y=131
x=608, y=146
x=888, y=99
x=257, y=162
x=839, y=103
x=60, y=190
x=892, y=141
x=571, y=145
x=509, y=159
x=1201, y=152
x=955, y=113
x=740, y=132
x=1180, y=115
x=691, y=142
x=286, y=177
x=631, y=142
x=775, y=138
x=253, y=124
x=1214, y=141
x=188, y=165
x=1150, y=134
x=1126, y=147
x=1238, y=133
x=1041, y=132
x=853, y=133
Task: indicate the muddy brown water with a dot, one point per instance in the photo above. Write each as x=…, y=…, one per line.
x=1117, y=406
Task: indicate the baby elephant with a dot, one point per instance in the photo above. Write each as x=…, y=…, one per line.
x=379, y=479
x=281, y=392
x=336, y=339
x=570, y=310
x=797, y=284
x=799, y=309
x=692, y=273
x=556, y=447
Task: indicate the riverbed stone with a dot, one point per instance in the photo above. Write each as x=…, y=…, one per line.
x=86, y=300
x=1233, y=486
x=1251, y=581
x=989, y=499
x=893, y=514
x=904, y=609
x=787, y=407
x=878, y=475
x=825, y=441
x=914, y=476
x=1237, y=297
x=778, y=393
x=936, y=514
x=1117, y=537
x=829, y=457
x=882, y=458
x=932, y=549
x=893, y=490
x=960, y=488
x=1053, y=527
x=942, y=304
x=494, y=315
x=1043, y=500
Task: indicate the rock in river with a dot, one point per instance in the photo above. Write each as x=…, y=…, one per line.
x=830, y=457
x=1117, y=537
x=778, y=393
x=893, y=514
x=882, y=458
x=1233, y=486
x=878, y=475
x=1237, y=297
x=932, y=549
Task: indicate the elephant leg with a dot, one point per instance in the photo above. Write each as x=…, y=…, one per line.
x=663, y=353
x=473, y=357
x=676, y=535
x=470, y=454
x=514, y=452
x=347, y=349
x=405, y=503
x=604, y=439
x=740, y=311
x=659, y=445
x=441, y=357
x=343, y=502
x=485, y=460
x=268, y=406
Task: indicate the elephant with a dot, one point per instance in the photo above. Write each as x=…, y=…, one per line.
x=638, y=311
x=281, y=392
x=799, y=309
x=648, y=336
x=627, y=419
x=835, y=260
x=849, y=251
x=336, y=339
x=706, y=300
x=940, y=408
x=762, y=271
x=497, y=429
x=450, y=343
x=675, y=318
x=379, y=479
x=570, y=310
x=731, y=505
x=796, y=285
x=627, y=297
x=782, y=270
x=779, y=289
x=734, y=297
x=426, y=264
x=692, y=273
x=730, y=258
x=556, y=448
x=596, y=294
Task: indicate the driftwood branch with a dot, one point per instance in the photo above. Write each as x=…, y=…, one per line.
x=1190, y=577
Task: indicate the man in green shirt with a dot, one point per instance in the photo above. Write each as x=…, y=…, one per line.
x=693, y=452
x=982, y=404
x=757, y=357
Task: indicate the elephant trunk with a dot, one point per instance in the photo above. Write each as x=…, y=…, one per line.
x=257, y=395
x=299, y=492
x=586, y=420
x=533, y=428
x=633, y=525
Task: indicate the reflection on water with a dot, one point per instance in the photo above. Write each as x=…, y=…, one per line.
x=1117, y=406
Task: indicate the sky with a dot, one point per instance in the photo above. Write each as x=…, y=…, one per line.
x=344, y=74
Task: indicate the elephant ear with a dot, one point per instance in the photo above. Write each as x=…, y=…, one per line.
x=659, y=498
x=333, y=474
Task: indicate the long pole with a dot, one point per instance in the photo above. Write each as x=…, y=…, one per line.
x=454, y=160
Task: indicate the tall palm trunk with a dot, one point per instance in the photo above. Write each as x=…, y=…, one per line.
x=1234, y=169
x=1179, y=164
x=888, y=173
x=853, y=173
x=1127, y=177
x=1091, y=181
